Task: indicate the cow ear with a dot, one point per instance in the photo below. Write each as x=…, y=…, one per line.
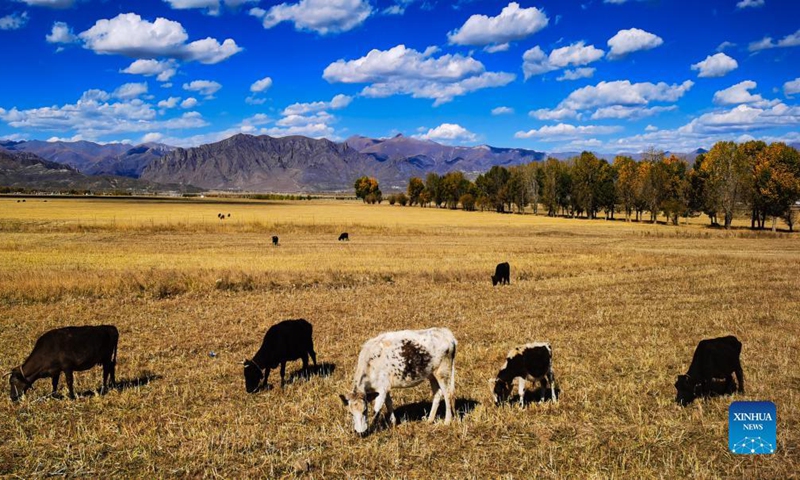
x=344, y=400
x=372, y=396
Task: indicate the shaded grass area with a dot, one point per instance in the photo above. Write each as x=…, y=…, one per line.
x=622, y=308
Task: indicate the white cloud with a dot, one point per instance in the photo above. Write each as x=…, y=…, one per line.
x=629, y=113
x=564, y=131
x=792, y=87
x=535, y=62
x=744, y=118
x=213, y=7
x=14, y=21
x=189, y=103
x=791, y=40
x=129, y=35
x=717, y=65
x=650, y=128
x=321, y=16
x=512, y=24
x=338, y=102
x=502, y=111
x=96, y=115
x=554, y=114
x=130, y=91
x=261, y=85
x=738, y=94
x=750, y=3
x=163, y=69
x=503, y=47
x=171, y=102
x=578, y=73
x=61, y=33
x=405, y=71
x=203, y=87
x=49, y=3
x=623, y=92
x=151, y=137
x=448, y=132
x=632, y=40
x=722, y=46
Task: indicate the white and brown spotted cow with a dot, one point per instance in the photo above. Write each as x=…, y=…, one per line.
x=400, y=360
x=532, y=361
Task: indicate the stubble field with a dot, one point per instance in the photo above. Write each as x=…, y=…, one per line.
x=623, y=305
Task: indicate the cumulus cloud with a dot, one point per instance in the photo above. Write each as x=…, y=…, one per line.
x=61, y=33
x=632, y=40
x=448, y=132
x=750, y=3
x=164, y=70
x=564, y=131
x=629, y=113
x=722, y=46
x=204, y=87
x=320, y=16
x=261, y=85
x=554, y=114
x=171, y=102
x=717, y=65
x=791, y=40
x=130, y=91
x=189, y=103
x=502, y=111
x=743, y=118
x=405, y=71
x=792, y=87
x=129, y=35
x=98, y=113
x=738, y=94
x=512, y=24
x=535, y=62
x=338, y=102
x=14, y=21
x=212, y=7
x=578, y=73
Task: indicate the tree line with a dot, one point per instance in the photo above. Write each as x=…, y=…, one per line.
x=760, y=179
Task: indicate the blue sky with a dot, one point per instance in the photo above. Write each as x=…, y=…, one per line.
x=551, y=75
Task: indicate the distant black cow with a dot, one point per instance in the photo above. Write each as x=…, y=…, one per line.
x=284, y=341
x=344, y=237
x=275, y=240
x=68, y=350
x=532, y=361
x=716, y=358
x=502, y=274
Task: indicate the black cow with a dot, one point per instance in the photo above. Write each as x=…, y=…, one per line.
x=275, y=240
x=68, y=350
x=532, y=361
x=284, y=341
x=502, y=274
x=716, y=358
x=344, y=237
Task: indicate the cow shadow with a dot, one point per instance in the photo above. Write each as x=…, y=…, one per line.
x=532, y=396
x=120, y=385
x=418, y=411
x=322, y=370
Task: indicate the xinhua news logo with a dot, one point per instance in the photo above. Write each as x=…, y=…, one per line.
x=752, y=428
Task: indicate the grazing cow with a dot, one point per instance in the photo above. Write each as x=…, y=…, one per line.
x=400, y=360
x=344, y=237
x=68, y=350
x=716, y=358
x=532, y=361
x=502, y=274
x=283, y=342
x=275, y=240
x=229, y=215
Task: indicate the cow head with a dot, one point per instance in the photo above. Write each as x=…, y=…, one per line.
x=687, y=390
x=356, y=403
x=495, y=280
x=501, y=390
x=253, y=376
x=19, y=385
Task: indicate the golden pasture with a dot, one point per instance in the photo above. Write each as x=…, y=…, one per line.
x=623, y=305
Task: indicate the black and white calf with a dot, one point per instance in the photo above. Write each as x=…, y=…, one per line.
x=400, y=360
x=532, y=361
x=715, y=358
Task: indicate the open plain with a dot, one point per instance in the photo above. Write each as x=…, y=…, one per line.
x=623, y=305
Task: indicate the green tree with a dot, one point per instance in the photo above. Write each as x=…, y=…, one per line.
x=626, y=171
x=415, y=188
x=433, y=185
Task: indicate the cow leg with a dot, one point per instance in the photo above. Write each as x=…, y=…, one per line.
x=521, y=390
x=70, y=383
x=283, y=373
x=379, y=401
x=443, y=378
x=55, y=383
x=313, y=355
x=740, y=377
x=437, y=397
x=542, y=388
x=305, y=363
x=551, y=379
x=390, y=408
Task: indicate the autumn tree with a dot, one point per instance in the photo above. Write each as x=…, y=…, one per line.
x=777, y=185
x=726, y=182
x=433, y=185
x=368, y=190
x=750, y=152
x=415, y=188
x=626, y=175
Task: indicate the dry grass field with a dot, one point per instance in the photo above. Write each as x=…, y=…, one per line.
x=623, y=305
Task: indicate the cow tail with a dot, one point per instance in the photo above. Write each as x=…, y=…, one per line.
x=453, y=371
